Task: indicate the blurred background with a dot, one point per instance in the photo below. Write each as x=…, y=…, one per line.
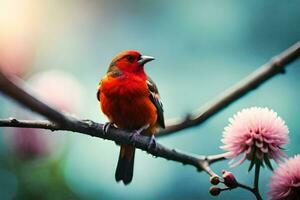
x=62, y=49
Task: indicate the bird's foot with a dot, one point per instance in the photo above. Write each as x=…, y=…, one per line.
x=152, y=142
x=106, y=127
x=137, y=133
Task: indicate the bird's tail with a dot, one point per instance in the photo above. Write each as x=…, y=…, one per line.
x=124, y=171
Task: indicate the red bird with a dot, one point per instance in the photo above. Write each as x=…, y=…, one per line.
x=130, y=100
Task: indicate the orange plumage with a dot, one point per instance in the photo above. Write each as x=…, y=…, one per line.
x=130, y=100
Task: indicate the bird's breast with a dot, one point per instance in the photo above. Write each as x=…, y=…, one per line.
x=126, y=103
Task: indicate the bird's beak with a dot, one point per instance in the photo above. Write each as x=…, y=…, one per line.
x=144, y=60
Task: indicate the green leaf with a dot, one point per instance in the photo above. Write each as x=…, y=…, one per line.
x=251, y=164
x=268, y=163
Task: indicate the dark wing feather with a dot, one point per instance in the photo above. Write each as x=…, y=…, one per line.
x=98, y=91
x=154, y=97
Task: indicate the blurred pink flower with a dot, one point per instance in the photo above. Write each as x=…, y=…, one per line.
x=28, y=144
x=285, y=182
x=257, y=134
x=57, y=89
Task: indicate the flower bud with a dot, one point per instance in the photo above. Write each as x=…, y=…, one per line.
x=214, y=191
x=229, y=179
x=215, y=180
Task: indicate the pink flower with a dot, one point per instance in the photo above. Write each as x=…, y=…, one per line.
x=257, y=134
x=285, y=183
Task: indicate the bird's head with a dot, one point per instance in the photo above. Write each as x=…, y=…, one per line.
x=129, y=62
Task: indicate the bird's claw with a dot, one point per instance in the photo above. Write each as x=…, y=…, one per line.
x=134, y=136
x=106, y=127
x=152, y=142
x=136, y=133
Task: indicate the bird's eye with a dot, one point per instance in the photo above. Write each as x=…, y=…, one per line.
x=130, y=58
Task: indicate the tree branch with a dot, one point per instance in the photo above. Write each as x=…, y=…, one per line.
x=94, y=129
x=275, y=66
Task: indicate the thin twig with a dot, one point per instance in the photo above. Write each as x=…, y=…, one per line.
x=256, y=181
x=275, y=66
x=255, y=189
x=245, y=187
x=252, y=190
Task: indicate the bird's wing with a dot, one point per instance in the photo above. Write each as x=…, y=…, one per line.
x=98, y=90
x=155, y=99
